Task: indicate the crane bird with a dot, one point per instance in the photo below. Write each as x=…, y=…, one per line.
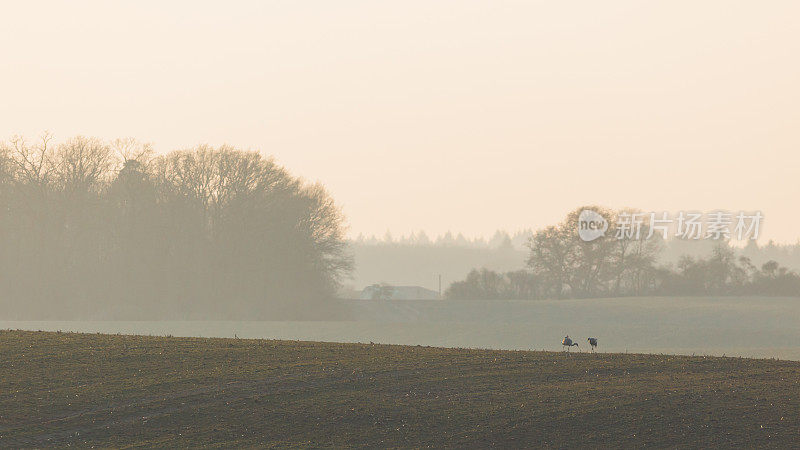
x=567, y=342
x=593, y=343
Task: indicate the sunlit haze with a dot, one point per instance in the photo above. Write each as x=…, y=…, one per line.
x=438, y=116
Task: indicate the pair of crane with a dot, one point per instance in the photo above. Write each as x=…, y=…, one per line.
x=567, y=342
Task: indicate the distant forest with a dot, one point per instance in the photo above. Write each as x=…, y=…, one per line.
x=501, y=239
x=419, y=262
x=94, y=229
x=494, y=268
x=109, y=230
x=672, y=250
x=561, y=265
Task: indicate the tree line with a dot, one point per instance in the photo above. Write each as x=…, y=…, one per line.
x=561, y=265
x=109, y=229
x=500, y=240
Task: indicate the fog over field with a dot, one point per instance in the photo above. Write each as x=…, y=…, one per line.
x=751, y=327
x=410, y=260
x=225, y=242
x=481, y=177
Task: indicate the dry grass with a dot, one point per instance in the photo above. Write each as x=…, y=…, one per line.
x=60, y=389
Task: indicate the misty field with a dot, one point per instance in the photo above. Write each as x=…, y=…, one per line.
x=59, y=389
x=763, y=327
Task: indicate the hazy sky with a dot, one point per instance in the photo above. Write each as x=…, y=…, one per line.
x=434, y=115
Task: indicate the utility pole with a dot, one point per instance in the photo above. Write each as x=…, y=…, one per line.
x=440, y=286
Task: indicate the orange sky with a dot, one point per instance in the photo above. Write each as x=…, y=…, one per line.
x=464, y=116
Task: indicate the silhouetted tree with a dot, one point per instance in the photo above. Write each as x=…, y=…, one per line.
x=485, y=284
x=94, y=228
